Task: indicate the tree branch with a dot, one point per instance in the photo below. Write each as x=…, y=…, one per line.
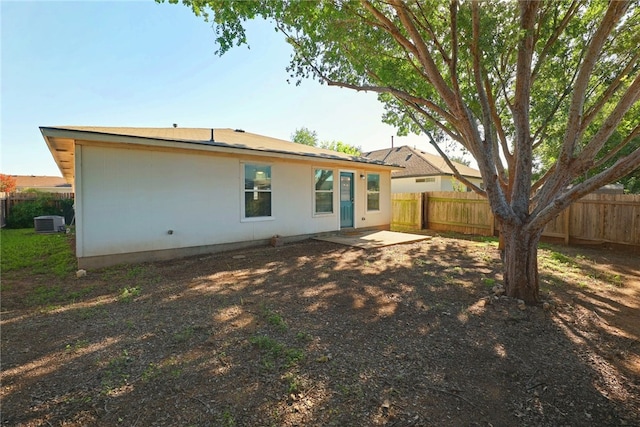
x=536, y=185
x=434, y=143
x=630, y=97
x=615, y=150
x=453, y=64
x=477, y=72
x=573, y=132
x=571, y=11
x=429, y=30
x=545, y=213
x=521, y=176
x=431, y=69
x=498, y=122
x=608, y=93
x=455, y=136
x=391, y=28
x=564, y=173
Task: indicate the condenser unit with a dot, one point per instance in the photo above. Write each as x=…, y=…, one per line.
x=49, y=224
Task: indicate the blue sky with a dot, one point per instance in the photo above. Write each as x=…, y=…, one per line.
x=125, y=63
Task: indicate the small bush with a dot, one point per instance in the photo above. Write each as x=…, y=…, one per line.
x=22, y=214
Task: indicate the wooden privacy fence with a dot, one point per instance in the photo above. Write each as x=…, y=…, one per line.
x=407, y=210
x=613, y=218
x=9, y=200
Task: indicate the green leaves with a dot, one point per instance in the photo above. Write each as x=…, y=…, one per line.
x=430, y=67
x=309, y=137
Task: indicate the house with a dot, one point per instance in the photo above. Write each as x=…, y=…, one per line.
x=423, y=171
x=159, y=193
x=46, y=184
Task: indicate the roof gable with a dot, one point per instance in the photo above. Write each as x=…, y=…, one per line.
x=418, y=163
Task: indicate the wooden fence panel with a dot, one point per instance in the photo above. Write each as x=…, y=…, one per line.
x=3, y=210
x=611, y=218
x=406, y=210
x=596, y=218
x=559, y=226
x=466, y=213
x=13, y=199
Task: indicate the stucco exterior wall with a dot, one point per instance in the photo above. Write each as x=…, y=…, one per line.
x=441, y=183
x=128, y=200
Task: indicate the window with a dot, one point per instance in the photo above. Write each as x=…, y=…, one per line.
x=323, y=191
x=373, y=192
x=257, y=191
x=425, y=180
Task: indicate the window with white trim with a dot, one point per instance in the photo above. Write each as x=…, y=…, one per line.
x=373, y=192
x=257, y=191
x=323, y=180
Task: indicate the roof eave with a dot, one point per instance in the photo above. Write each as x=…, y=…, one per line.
x=49, y=133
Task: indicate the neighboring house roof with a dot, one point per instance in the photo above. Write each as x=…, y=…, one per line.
x=32, y=181
x=61, y=140
x=418, y=163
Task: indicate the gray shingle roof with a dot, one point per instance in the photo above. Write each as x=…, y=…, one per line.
x=418, y=163
x=61, y=142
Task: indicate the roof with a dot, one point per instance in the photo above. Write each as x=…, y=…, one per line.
x=418, y=163
x=32, y=181
x=61, y=141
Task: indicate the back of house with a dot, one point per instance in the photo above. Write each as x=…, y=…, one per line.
x=158, y=193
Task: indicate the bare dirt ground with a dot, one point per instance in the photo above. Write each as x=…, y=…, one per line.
x=317, y=334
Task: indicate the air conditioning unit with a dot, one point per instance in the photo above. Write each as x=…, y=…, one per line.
x=49, y=224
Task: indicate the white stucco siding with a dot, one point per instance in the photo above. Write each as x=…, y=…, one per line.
x=132, y=198
x=129, y=199
x=364, y=217
x=409, y=185
x=439, y=183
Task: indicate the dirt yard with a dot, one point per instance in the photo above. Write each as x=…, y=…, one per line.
x=317, y=334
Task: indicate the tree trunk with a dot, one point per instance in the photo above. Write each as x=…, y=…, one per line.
x=520, y=258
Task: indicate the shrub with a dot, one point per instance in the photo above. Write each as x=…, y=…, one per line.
x=22, y=214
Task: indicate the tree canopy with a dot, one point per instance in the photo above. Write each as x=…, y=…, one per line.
x=530, y=86
x=7, y=183
x=305, y=136
x=309, y=137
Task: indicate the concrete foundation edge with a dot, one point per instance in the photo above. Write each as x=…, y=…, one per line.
x=101, y=261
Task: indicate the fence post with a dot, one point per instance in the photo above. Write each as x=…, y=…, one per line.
x=420, y=211
x=425, y=211
x=567, y=222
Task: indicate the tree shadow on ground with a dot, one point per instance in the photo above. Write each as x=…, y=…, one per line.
x=313, y=334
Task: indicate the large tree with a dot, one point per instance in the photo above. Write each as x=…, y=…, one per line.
x=504, y=80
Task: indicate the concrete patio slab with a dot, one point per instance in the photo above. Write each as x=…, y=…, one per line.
x=373, y=239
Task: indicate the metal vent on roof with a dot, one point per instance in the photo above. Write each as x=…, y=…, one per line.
x=239, y=130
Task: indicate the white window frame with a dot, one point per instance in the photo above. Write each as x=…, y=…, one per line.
x=332, y=191
x=243, y=191
x=373, y=192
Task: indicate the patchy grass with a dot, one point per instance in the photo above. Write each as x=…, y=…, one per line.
x=129, y=293
x=319, y=334
x=116, y=373
x=48, y=254
x=275, y=353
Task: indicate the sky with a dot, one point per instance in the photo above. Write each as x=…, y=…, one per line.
x=143, y=64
